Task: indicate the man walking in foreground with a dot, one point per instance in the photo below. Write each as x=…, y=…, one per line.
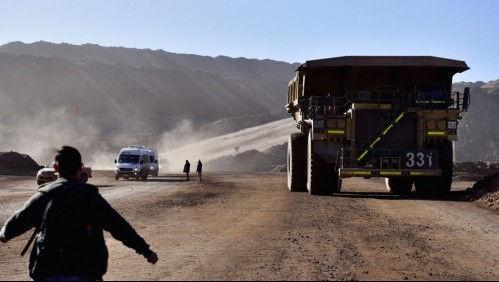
x=70, y=217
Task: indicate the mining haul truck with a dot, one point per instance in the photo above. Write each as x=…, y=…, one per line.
x=393, y=117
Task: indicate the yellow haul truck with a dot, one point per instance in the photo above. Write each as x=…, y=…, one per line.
x=374, y=116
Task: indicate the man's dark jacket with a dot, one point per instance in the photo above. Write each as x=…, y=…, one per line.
x=88, y=262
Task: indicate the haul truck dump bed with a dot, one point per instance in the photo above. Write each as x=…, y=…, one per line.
x=374, y=116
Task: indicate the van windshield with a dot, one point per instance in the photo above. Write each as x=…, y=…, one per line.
x=131, y=159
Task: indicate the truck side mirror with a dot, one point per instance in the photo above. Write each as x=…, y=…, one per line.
x=115, y=161
x=466, y=98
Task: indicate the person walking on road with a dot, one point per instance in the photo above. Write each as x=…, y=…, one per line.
x=69, y=218
x=199, y=170
x=187, y=169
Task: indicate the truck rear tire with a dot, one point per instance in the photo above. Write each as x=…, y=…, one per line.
x=440, y=185
x=321, y=176
x=297, y=162
x=424, y=186
x=398, y=186
x=446, y=163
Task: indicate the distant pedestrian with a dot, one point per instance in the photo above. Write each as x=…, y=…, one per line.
x=187, y=169
x=199, y=170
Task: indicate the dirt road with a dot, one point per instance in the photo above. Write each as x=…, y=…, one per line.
x=249, y=227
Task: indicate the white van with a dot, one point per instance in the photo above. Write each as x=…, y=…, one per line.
x=132, y=162
x=154, y=161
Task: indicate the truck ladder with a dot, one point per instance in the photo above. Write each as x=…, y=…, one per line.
x=393, y=118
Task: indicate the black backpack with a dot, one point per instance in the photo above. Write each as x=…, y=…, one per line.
x=66, y=239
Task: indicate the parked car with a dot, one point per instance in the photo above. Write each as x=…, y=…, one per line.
x=48, y=174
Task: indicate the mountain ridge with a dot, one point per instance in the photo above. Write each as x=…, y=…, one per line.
x=240, y=68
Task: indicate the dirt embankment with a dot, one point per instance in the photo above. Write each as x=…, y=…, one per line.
x=486, y=187
x=12, y=163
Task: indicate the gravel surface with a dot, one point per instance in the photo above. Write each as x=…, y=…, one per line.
x=248, y=226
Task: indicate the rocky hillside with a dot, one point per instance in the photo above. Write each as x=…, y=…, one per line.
x=479, y=129
x=109, y=97
x=236, y=68
x=115, y=88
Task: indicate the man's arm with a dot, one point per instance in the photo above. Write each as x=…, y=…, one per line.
x=153, y=258
x=121, y=230
x=23, y=220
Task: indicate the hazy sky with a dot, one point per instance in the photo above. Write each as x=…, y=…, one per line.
x=282, y=30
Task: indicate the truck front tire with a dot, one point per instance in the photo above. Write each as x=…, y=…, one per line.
x=297, y=162
x=322, y=179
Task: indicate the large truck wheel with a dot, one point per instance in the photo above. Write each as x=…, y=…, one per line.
x=334, y=179
x=297, y=162
x=321, y=176
x=398, y=186
x=446, y=164
x=440, y=185
x=424, y=186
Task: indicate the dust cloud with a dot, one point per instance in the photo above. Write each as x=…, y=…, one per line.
x=254, y=138
x=40, y=134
